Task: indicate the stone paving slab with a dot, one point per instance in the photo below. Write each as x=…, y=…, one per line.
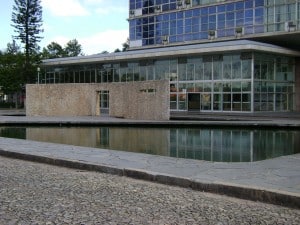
x=274, y=181
x=41, y=194
x=292, y=120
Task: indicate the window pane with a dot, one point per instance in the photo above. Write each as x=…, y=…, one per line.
x=246, y=69
x=227, y=67
x=236, y=67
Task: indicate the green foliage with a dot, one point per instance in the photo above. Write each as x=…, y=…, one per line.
x=125, y=45
x=55, y=50
x=73, y=48
x=27, y=21
x=11, y=72
x=13, y=48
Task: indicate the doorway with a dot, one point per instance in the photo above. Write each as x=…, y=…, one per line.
x=103, y=102
x=194, y=100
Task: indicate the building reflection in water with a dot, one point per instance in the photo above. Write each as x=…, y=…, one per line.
x=223, y=145
x=220, y=145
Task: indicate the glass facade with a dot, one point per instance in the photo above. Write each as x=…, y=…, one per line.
x=233, y=82
x=157, y=22
x=221, y=74
x=273, y=83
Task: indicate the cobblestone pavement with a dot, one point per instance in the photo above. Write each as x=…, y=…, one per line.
x=32, y=193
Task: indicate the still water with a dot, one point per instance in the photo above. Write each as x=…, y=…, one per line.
x=219, y=145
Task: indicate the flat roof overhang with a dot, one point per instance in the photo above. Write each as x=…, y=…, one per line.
x=285, y=39
x=176, y=51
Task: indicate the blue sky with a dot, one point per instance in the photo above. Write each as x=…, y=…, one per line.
x=98, y=25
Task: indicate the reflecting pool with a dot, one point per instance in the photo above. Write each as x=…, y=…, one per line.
x=220, y=145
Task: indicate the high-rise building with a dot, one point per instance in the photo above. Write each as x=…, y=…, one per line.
x=214, y=56
x=177, y=22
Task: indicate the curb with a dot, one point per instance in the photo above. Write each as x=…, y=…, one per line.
x=265, y=196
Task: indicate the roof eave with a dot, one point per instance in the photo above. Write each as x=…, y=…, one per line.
x=174, y=51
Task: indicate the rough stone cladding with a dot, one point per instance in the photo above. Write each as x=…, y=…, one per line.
x=147, y=100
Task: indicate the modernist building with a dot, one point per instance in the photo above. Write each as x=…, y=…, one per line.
x=187, y=55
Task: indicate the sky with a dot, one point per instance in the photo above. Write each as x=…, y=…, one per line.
x=98, y=25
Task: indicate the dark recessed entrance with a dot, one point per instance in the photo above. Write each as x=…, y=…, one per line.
x=194, y=101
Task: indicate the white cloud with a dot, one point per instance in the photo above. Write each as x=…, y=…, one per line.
x=110, y=10
x=64, y=8
x=94, y=2
x=108, y=40
x=107, y=7
x=95, y=32
x=62, y=40
x=47, y=27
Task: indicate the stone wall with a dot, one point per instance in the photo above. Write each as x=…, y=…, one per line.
x=135, y=100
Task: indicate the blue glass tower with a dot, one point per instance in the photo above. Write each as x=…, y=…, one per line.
x=176, y=22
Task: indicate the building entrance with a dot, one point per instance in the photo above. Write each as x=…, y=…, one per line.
x=103, y=102
x=194, y=100
x=199, y=102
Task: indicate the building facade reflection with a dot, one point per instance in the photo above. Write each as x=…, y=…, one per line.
x=218, y=145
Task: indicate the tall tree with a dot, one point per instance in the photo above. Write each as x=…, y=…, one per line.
x=73, y=48
x=11, y=66
x=13, y=48
x=27, y=21
x=53, y=50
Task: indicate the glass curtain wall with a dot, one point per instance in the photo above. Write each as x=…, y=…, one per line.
x=236, y=82
x=213, y=83
x=164, y=21
x=282, y=15
x=274, y=83
x=199, y=23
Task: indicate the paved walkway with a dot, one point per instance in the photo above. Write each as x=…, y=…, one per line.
x=276, y=180
x=41, y=194
x=279, y=120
